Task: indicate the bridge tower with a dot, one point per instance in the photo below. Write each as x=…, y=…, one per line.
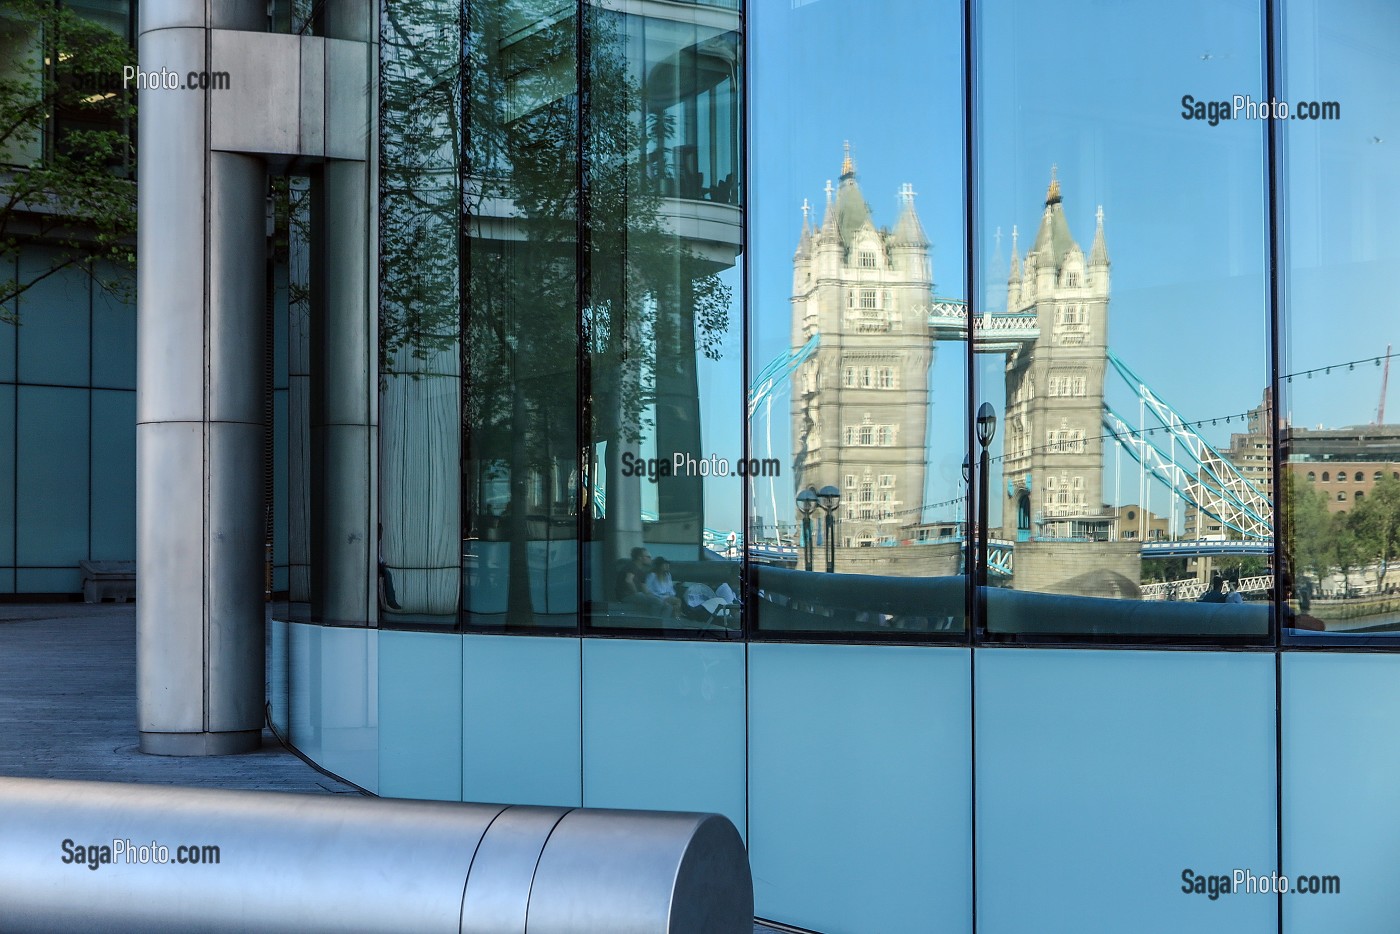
x=860, y=403
x=1053, y=449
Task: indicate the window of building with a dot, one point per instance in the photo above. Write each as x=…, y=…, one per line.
x=886, y=436
x=1326, y=476
x=867, y=259
x=867, y=434
x=866, y=378
x=1312, y=476
x=1360, y=477
x=848, y=377
x=887, y=377
x=867, y=299
x=1341, y=496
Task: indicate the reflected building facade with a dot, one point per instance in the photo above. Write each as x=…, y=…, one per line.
x=860, y=401
x=1053, y=443
x=864, y=298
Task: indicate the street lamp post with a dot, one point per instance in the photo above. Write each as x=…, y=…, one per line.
x=968, y=546
x=986, y=430
x=806, y=503
x=830, y=499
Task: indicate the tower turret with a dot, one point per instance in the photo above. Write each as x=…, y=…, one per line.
x=1098, y=257
x=908, y=244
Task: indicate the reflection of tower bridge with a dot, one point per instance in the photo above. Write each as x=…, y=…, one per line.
x=1200, y=478
x=859, y=387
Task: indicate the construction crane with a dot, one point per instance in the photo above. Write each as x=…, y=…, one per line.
x=1385, y=378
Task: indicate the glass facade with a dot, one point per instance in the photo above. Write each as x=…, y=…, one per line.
x=944, y=362
x=580, y=368
x=858, y=319
x=560, y=353
x=1116, y=473
x=1339, y=458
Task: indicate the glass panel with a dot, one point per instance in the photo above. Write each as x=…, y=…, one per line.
x=51, y=479
x=832, y=847
x=1101, y=751
x=93, y=114
x=1335, y=705
x=858, y=340
x=298, y=336
x=521, y=404
x=420, y=386
x=55, y=333
x=8, y=446
x=1341, y=447
x=661, y=314
x=521, y=729
x=113, y=480
x=113, y=331
x=1128, y=466
x=663, y=726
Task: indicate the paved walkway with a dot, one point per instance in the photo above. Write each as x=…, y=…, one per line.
x=68, y=710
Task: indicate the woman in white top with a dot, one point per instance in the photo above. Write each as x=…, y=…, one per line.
x=660, y=585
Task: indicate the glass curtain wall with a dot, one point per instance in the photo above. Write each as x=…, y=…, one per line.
x=1123, y=336
x=560, y=362
x=1340, y=441
x=520, y=206
x=858, y=334
x=420, y=386
x=661, y=318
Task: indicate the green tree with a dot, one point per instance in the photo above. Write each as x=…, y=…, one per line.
x=1375, y=521
x=65, y=145
x=1308, y=527
x=1345, y=549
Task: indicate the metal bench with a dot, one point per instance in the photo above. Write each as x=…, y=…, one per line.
x=108, y=580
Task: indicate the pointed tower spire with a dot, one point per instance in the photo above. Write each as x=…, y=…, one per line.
x=829, y=218
x=804, y=243
x=908, y=231
x=1015, y=255
x=848, y=167
x=1052, y=193
x=1098, y=253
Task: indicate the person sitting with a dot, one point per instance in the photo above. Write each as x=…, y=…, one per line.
x=1214, y=594
x=630, y=588
x=659, y=585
